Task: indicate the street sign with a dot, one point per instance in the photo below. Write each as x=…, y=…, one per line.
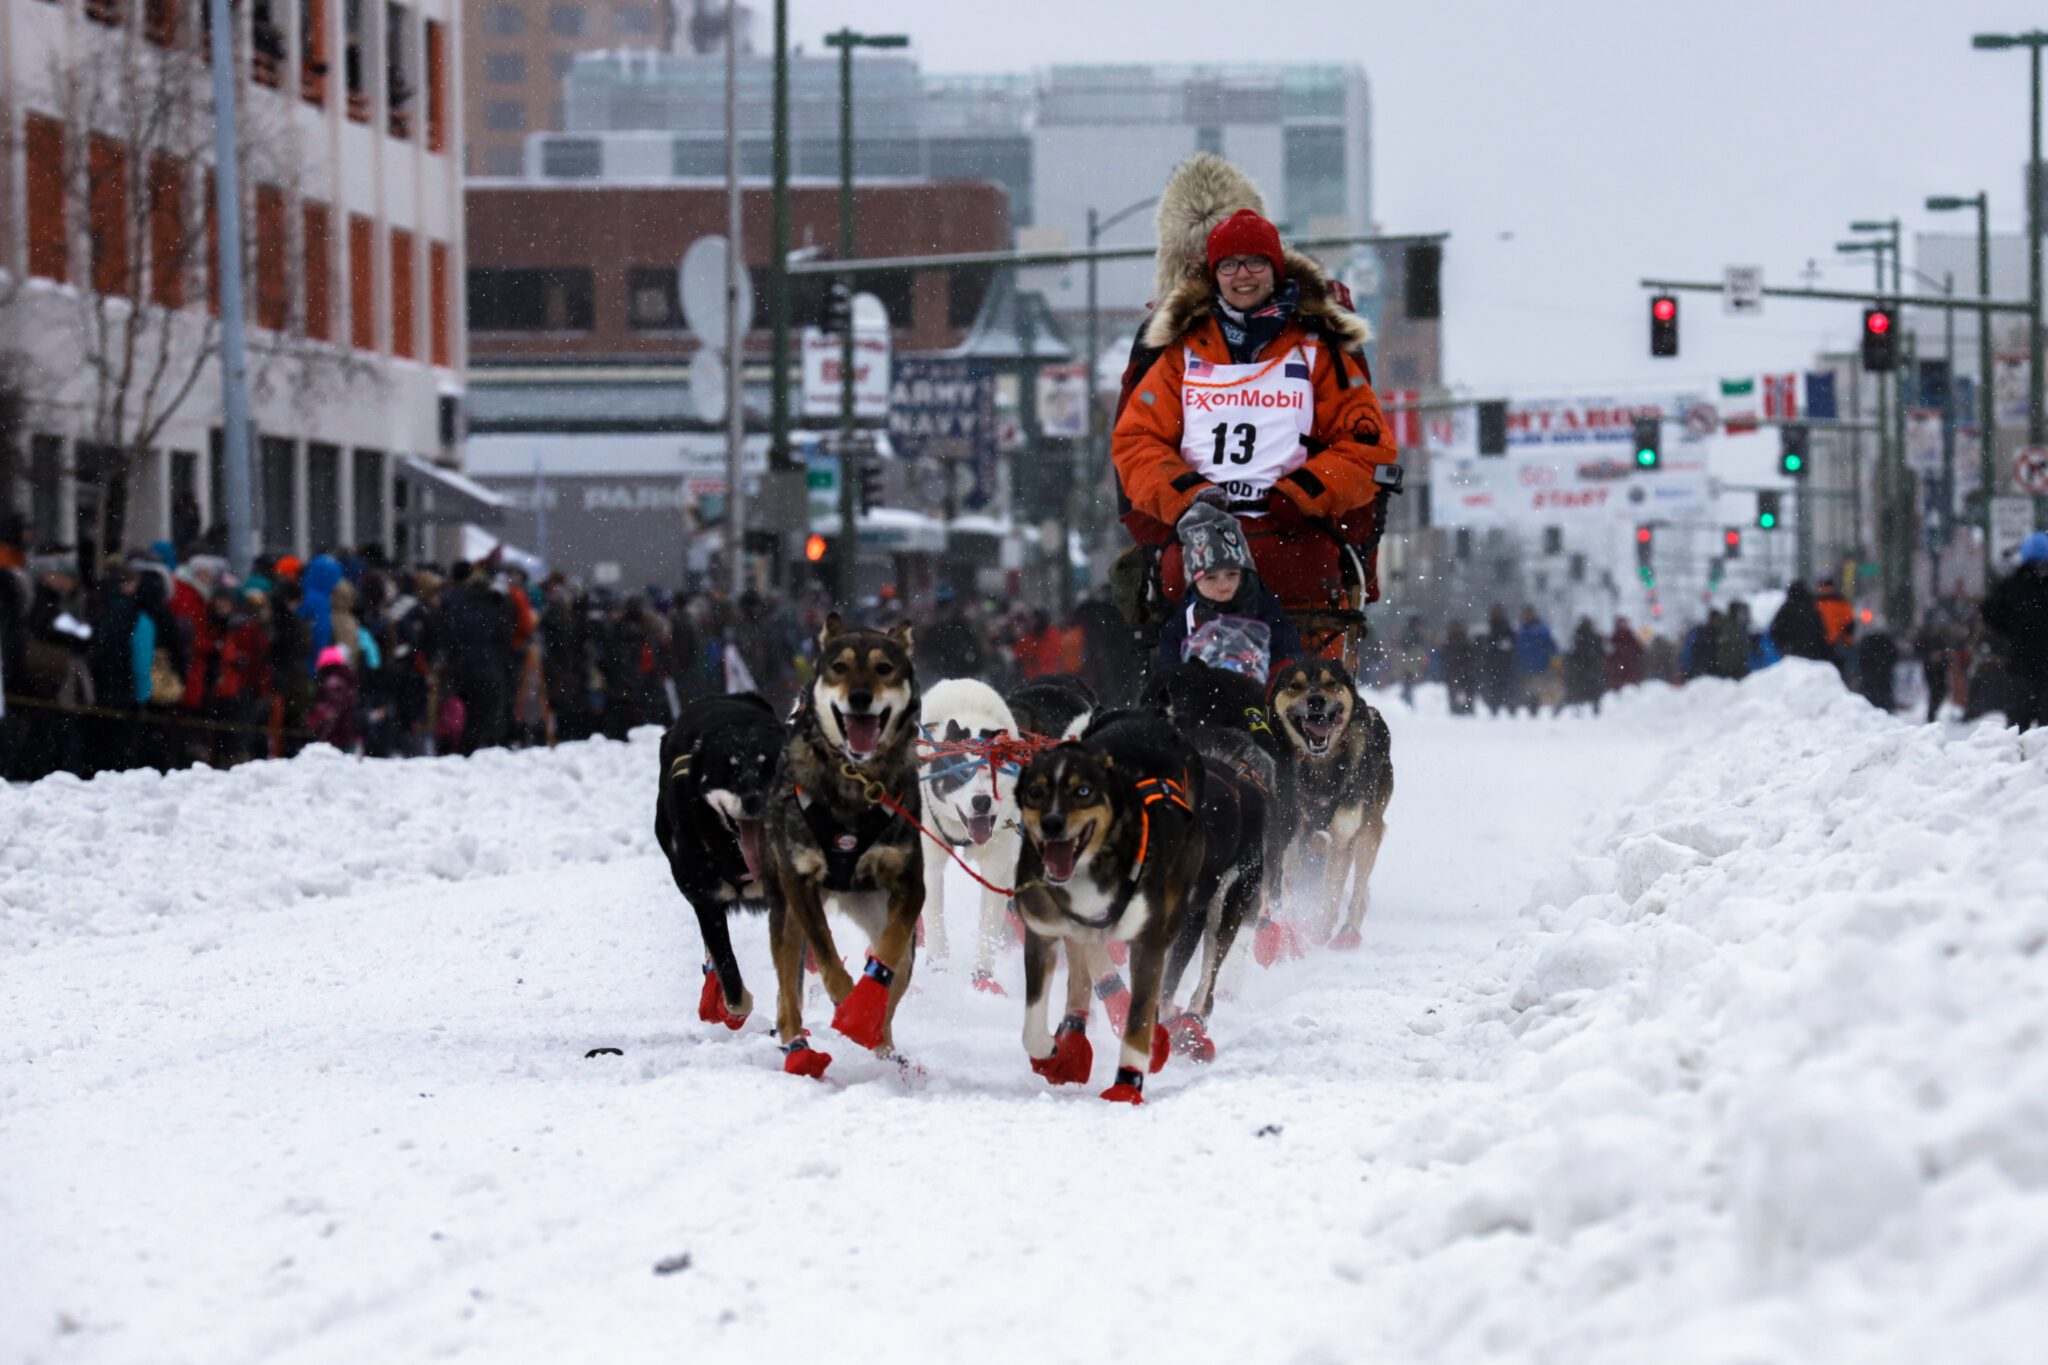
x=2030, y=470
x=1742, y=290
x=700, y=289
x=2012, y=521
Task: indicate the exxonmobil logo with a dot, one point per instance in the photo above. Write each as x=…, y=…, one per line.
x=1209, y=400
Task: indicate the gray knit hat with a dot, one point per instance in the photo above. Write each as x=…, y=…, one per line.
x=1210, y=540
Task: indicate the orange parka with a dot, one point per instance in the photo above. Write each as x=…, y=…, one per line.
x=1348, y=438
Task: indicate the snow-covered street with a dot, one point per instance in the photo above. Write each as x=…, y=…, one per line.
x=1711, y=1030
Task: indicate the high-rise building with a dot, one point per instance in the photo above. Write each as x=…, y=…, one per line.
x=352, y=226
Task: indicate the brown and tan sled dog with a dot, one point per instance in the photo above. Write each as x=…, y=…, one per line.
x=1113, y=851
x=1335, y=791
x=838, y=836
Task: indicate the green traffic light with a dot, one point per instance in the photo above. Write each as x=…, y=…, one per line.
x=1767, y=520
x=1646, y=457
x=1793, y=464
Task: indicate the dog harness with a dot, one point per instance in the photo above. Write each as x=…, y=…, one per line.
x=842, y=844
x=1151, y=791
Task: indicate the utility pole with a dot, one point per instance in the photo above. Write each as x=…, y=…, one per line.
x=735, y=338
x=2037, y=420
x=239, y=495
x=846, y=40
x=1981, y=202
x=779, y=456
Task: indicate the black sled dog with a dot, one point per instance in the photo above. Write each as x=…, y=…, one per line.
x=1113, y=850
x=840, y=832
x=719, y=762
x=1337, y=787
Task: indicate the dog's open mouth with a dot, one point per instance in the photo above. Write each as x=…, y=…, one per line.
x=1060, y=855
x=749, y=832
x=981, y=828
x=863, y=732
x=1317, y=732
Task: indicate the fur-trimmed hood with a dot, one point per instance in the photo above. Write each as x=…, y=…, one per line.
x=1181, y=311
x=1203, y=191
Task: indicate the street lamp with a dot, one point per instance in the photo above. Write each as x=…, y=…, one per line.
x=1098, y=225
x=846, y=40
x=1981, y=201
x=2033, y=40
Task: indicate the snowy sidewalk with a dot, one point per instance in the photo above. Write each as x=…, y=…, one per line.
x=1757, y=1077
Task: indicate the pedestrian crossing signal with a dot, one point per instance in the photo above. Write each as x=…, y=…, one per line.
x=1648, y=435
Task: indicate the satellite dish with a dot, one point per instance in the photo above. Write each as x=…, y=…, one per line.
x=700, y=288
x=707, y=385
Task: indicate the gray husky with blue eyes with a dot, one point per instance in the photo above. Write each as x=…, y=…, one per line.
x=970, y=801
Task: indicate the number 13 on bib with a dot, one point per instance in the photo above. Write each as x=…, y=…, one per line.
x=1242, y=426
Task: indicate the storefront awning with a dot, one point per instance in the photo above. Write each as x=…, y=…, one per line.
x=435, y=496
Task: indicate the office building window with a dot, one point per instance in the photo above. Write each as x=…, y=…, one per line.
x=362, y=283
x=368, y=497
x=268, y=52
x=400, y=84
x=565, y=21
x=277, y=468
x=437, y=86
x=651, y=301
x=534, y=300
x=505, y=21
x=571, y=158
x=441, y=351
x=355, y=43
x=323, y=496
x=505, y=68
x=48, y=244
x=633, y=21
x=503, y=161
x=403, y=330
x=160, y=22
x=1314, y=172
x=505, y=116
x=106, y=194
x=313, y=51
x=46, y=488
x=169, y=245
x=559, y=64
x=319, y=271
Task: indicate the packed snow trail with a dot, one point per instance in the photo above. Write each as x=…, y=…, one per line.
x=348, y=1116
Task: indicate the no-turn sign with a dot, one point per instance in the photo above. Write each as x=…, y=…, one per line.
x=2030, y=470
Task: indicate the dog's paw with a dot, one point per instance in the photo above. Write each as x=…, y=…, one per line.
x=1269, y=940
x=984, y=980
x=1124, y=1093
x=1116, y=1001
x=801, y=1059
x=1162, y=1048
x=1191, y=1037
x=861, y=1014
x=711, y=1002
x=1071, y=1061
x=1345, y=940
x=1119, y=952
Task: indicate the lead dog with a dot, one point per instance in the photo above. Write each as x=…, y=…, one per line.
x=835, y=840
x=971, y=802
x=1112, y=851
x=1338, y=785
x=719, y=762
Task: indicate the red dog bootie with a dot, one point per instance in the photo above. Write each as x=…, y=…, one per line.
x=1119, y=952
x=1345, y=940
x=1129, y=1087
x=1191, y=1037
x=1116, y=1000
x=984, y=980
x=1162, y=1048
x=711, y=1000
x=1072, y=1056
x=865, y=1009
x=799, y=1058
x=1268, y=941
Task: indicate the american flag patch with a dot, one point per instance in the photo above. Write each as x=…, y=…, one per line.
x=1297, y=371
x=1200, y=367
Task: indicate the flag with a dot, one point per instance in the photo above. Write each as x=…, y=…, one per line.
x=1781, y=397
x=1820, y=395
x=1407, y=419
x=1738, y=406
x=1199, y=367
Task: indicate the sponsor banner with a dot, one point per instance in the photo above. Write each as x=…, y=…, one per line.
x=1555, y=424
x=1063, y=401
x=1923, y=440
x=1529, y=492
x=822, y=353
x=2009, y=389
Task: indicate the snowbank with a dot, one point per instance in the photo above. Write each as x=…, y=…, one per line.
x=132, y=850
x=1765, y=1075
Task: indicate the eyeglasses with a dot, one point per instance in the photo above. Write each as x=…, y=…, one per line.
x=1258, y=265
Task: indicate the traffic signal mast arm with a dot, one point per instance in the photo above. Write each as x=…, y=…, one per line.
x=1892, y=301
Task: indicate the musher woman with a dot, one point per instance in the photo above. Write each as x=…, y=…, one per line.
x=1248, y=390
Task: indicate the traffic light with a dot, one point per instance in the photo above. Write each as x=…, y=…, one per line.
x=1767, y=511
x=1880, y=340
x=1422, y=268
x=1663, y=325
x=1646, y=544
x=1732, y=539
x=838, y=309
x=815, y=548
x=1794, y=440
x=1648, y=433
x=1493, y=427
x=870, y=485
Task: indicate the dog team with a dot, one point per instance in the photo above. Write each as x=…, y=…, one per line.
x=1140, y=835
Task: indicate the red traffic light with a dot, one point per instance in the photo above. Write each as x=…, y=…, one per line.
x=1642, y=535
x=1732, y=538
x=814, y=548
x=1878, y=321
x=1664, y=309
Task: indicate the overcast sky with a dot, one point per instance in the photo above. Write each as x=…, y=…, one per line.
x=1574, y=146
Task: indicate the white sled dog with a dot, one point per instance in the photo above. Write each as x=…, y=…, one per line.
x=972, y=805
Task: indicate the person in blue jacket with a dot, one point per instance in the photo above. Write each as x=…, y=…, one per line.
x=1231, y=620
x=317, y=609
x=1535, y=648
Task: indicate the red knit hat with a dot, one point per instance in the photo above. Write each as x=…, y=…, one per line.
x=1245, y=233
